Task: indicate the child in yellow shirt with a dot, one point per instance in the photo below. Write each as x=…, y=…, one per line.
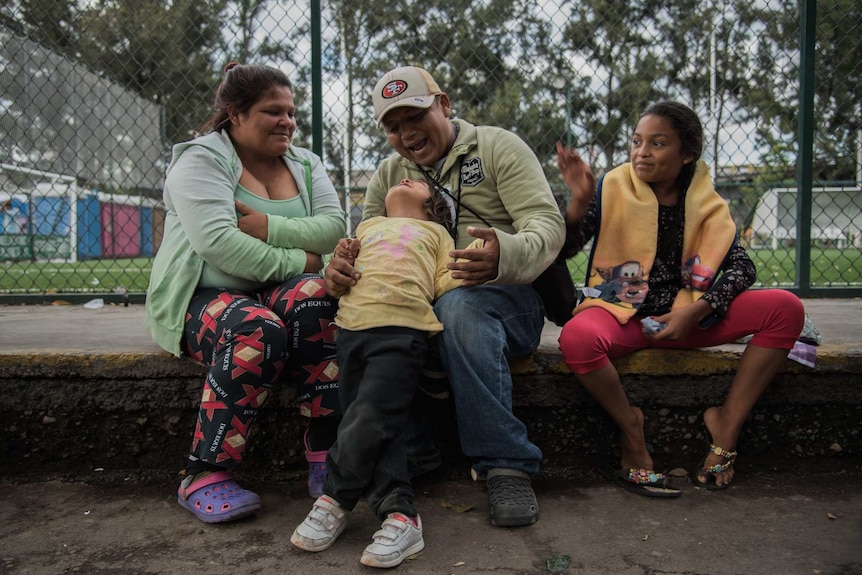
x=384, y=323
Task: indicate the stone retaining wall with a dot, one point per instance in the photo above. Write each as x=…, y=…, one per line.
x=71, y=413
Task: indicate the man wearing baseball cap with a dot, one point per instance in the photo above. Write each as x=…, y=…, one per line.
x=498, y=193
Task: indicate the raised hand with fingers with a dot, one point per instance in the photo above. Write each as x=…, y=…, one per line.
x=578, y=178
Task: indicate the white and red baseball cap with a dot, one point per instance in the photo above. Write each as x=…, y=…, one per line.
x=404, y=86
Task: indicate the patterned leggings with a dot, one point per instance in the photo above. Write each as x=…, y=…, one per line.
x=251, y=344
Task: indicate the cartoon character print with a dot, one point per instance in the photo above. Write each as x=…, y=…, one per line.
x=624, y=283
x=697, y=275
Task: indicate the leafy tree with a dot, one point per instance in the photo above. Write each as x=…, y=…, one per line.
x=485, y=56
x=774, y=96
x=258, y=32
x=50, y=22
x=460, y=43
x=710, y=59
x=361, y=27
x=261, y=32
x=243, y=26
x=159, y=49
x=621, y=68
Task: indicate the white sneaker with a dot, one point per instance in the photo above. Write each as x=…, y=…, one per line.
x=321, y=527
x=397, y=540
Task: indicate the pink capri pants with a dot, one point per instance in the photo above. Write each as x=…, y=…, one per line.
x=593, y=337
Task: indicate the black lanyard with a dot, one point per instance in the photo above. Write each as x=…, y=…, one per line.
x=457, y=199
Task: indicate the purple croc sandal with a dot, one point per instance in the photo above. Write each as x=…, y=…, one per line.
x=216, y=498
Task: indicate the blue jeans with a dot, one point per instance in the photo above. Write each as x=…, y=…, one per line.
x=485, y=326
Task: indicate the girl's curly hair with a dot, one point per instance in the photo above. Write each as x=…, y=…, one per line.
x=437, y=209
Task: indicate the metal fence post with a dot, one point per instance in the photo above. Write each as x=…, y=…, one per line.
x=805, y=158
x=316, y=80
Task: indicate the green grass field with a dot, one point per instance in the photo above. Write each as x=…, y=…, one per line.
x=91, y=276
x=830, y=267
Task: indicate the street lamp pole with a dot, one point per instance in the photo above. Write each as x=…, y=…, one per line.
x=569, y=135
x=559, y=83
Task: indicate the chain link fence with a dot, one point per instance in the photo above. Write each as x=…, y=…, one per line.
x=93, y=96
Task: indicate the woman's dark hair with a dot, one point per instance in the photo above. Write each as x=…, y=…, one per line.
x=437, y=209
x=690, y=131
x=243, y=85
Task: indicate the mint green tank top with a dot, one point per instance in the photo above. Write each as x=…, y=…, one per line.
x=292, y=208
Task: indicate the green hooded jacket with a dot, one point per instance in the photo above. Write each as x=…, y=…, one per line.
x=201, y=226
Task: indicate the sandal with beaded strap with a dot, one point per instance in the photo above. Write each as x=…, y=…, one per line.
x=646, y=482
x=711, y=471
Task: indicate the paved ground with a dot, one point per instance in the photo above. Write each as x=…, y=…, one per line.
x=764, y=524
x=75, y=329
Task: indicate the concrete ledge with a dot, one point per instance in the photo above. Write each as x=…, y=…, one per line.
x=71, y=413
x=693, y=377
x=836, y=377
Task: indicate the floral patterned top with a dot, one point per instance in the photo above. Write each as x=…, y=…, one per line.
x=736, y=274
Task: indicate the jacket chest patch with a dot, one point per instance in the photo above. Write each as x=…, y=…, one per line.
x=471, y=172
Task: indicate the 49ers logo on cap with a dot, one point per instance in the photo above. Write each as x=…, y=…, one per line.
x=394, y=88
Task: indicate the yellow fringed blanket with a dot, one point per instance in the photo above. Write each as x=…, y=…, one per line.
x=624, y=246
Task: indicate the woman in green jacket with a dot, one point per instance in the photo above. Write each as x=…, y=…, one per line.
x=235, y=284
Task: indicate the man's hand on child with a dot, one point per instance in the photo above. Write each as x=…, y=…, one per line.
x=477, y=265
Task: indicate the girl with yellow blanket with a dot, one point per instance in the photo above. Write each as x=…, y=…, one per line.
x=665, y=250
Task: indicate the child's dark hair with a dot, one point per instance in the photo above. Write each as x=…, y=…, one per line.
x=243, y=85
x=437, y=209
x=690, y=131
